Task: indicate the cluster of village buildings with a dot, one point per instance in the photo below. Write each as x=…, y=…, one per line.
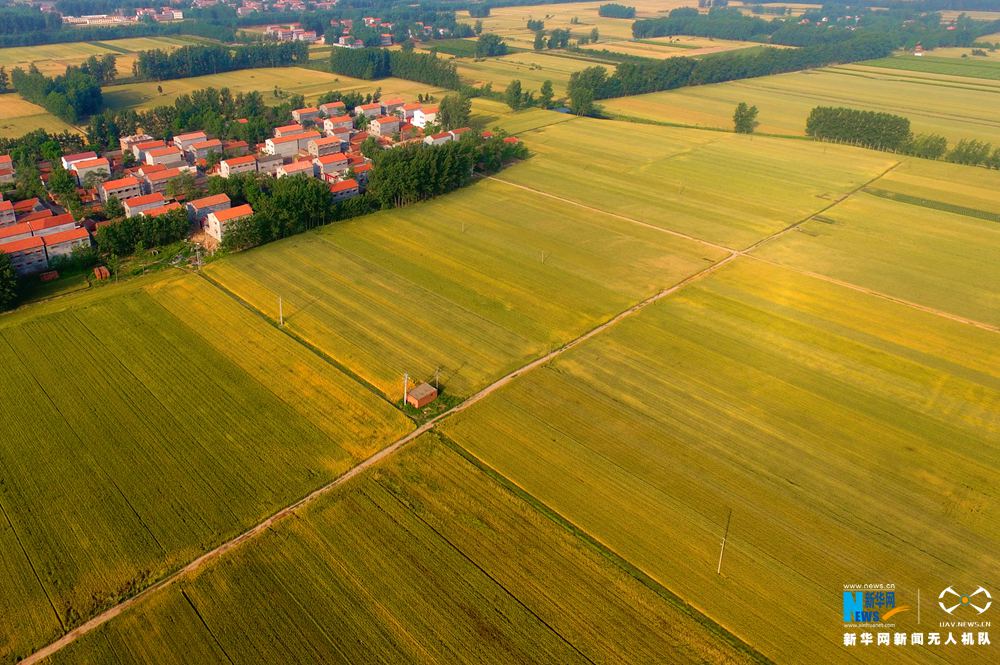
x=323, y=142
x=125, y=17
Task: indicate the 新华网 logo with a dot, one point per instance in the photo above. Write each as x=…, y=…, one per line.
x=876, y=606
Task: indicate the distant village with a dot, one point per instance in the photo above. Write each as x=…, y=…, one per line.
x=321, y=142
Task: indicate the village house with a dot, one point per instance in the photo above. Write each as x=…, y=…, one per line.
x=331, y=109
x=285, y=146
x=203, y=149
x=331, y=166
x=324, y=146
x=406, y=111
x=51, y=224
x=457, y=133
x=361, y=172
x=157, y=182
x=34, y=214
x=369, y=110
x=125, y=143
x=28, y=205
x=217, y=222
x=68, y=160
x=184, y=141
x=64, y=242
x=307, y=115
x=123, y=188
x=296, y=168
x=421, y=396
x=14, y=232
x=438, y=139
x=425, y=115
x=288, y=130
x=331, y=125
x=199, y=208
x=6, y=169
x=391, y=106
x=139, y=149
x=26, y=254
x=6, y=212
x=169, y=156
x=98, y=165
x=345, y=189
x=235, y=148
x=234, y=165
x=139, y=204
x=268, y=164
x=385, y=125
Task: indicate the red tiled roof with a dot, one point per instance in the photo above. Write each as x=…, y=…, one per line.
x=297, y=166
x=288, y=128
x=245, y=159
x=209, y=201
x=90, y=154
x=308, y=109
x=6, y=205
x=161, y=152
x=233, y=213
x=146, y=169
x=332, y=159
x=120, y=183
x=412, y=106
x=189, y=136
x=430, y=109
x=65, y=236
x=162, y=210
x=210, y=143
x=327, y=141
x=26, y=204
x=38, y=214
x=143, y=200
x=165, y=174
x=441, y=135
x=14, y=230
x=50, y=222
x=21, y=245
x=91, y=163
x=361, y=168
x=341, y=118
x=343, y=185
x=145, y=145
x=511, y=139
x=369, y=107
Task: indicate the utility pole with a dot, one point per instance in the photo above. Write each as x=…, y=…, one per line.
x=406, y=386
x=729, y=519
x=281, y=312
x=437, y=374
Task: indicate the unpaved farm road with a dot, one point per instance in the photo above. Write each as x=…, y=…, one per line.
x=261, y=527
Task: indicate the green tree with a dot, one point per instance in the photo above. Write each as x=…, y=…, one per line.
x=478, y=27
x=513, y=95
x=539, y=40
x=595, y=35
x=113, y=208
x=454, y=112
x=4, y=79
x=490, y=44
x=184, y=186
x=745, y=118
x=545, y=95
x=8, y=283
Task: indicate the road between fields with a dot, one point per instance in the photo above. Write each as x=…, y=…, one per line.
x=747, y=252
x=365, y=464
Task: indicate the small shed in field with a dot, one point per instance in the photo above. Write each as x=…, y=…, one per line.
x=421, y=396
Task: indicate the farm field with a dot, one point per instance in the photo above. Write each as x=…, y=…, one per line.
x=833, y=432
x=675, y=179
x=52, y=59
x=491, y=114
x=945, y=260
x=955, y=109
x=19, y=116
x=293, y=80
x=531, y=68
x=476, y=283
x=939, y=62
x=671, y=47
x=425, y=559
x=173, y=420
x=511, y=22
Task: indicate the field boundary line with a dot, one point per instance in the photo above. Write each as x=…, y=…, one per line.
x=254, y=531
x=603, y=549
x=671, y=232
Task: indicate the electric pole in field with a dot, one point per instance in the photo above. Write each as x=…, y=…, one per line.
x=281, y=312
x=437, y=375
x=725, y=535
x=406, y=386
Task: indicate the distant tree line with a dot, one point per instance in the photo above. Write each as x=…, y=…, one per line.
x=641, y=76
x=380, y=63
x=903, y=27
x=72, y=96
x=884, y=131
x=615, y=10
x=209, y=59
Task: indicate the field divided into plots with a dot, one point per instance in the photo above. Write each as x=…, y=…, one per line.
x=532, y=69
x=424, y=559
x=725, y=188
x=141, y=428
x=955, y=107
x=834, y=433
x=476, y=283
x=927, y=232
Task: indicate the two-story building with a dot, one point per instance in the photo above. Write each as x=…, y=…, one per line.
x=384, y=125
x=331, y=166
x=331, y=109
x=233, y=165
x=98, y=165
x=157, y=181
x=68, y=160
x=372, y=110
x=288, y=130
x=139, y=204
x=324, y=146
x=425, y=115
x=199, y=209
x=64, y=242
x=307, y=115
x=123, y=188
x=203, y=149
x=26, y=254
x=296, y=168
x=217, y=222
x=334, y=123
x=140, y=148
x=168, y=156
x=184, y=141
x=345, y=189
